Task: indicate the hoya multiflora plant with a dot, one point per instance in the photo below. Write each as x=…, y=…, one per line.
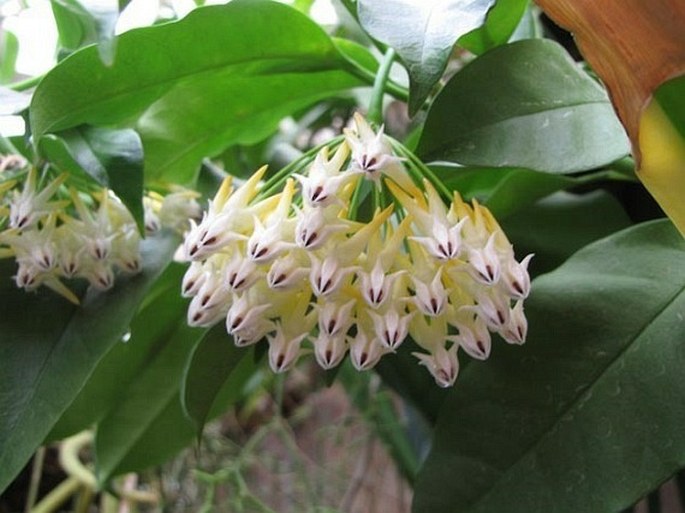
x=403, y=242
x=298, y=268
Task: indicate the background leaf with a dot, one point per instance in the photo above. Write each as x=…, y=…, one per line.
x=46, y=363
x=423, y=34
x=499, y=26
x=147, y=334
x=506, y=190
x=588, y=415
x=256, y=62
x=525, y=104
x=83, y=23
x=147, y=425
x=210, y=365
x=9, y=49
x=112, y=158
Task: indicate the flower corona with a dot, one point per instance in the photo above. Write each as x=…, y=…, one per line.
x=297, y=267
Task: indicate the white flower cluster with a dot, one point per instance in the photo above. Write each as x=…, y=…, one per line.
x=57, y=239
x=294, y=268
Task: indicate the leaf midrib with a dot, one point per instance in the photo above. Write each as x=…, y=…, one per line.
x=330, y=57
x=573, y=403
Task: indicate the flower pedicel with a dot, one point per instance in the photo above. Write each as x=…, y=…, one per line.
x=298, y=268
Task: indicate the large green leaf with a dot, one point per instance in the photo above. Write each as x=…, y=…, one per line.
x=499, y=26
x=49, y=348
x=588, y=415
x=211, y=364
x=147, y=424
x=525, y=104
x=112, y=158
x=255, y=62
x=148, y=334
x=423, y=33
x=557, y=226
x=507, y=190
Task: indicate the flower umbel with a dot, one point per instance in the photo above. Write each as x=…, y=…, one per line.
x=300, y=269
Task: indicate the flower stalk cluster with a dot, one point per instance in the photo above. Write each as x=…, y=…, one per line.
x=297, y=269
x=56, y=233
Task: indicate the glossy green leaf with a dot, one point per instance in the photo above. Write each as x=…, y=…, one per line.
x=147, y=335
x=423, y=34
x=49, y=348
x=112, y=158
x=148, y=425
x=507, y=190
x=588, y=415
x=80, y=25
x=525, y=104
x=9, y=49
x=210, y=365
x=499, y=26
x=256, y=62
x=557, y=226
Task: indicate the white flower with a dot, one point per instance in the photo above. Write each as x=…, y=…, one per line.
x=371, y=153
x=244, y=314
x=335, y=317
x=445, y=242
x=442, y=364
x=391, y=328
x=326, y=277
x=517, y=328
x=329, y=350
x=284, y=350
x=241, y=273
x=431, y=299
x=485, y=265
x=324, y=181
x=376, y=285
x=286, y=272
x=474, y=337
x=365, y=351
x=27, y=207
x=516, y=279
x=314, y=227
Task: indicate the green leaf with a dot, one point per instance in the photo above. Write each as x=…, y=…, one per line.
x=557, y=226
x=671, y=97
x=525, y=104
x=148, y=425
x=49, y=348
x=212, y=362
x=499, y=26
x=148, y=334
x=507, y=190
x=256, y=62
x=112, y=158
x=588, y=415
x=423, y=34
x=9, y=49
x=80, y=26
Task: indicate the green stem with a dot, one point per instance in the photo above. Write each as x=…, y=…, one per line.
x=58, y=496
x=376, y=106
x=422, y=168
x=275, y=182
x=23, y=85
x=392, y=88
x=36, y=472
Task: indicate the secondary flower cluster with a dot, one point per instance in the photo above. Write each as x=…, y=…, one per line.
x=297, y=269
x=56, y=233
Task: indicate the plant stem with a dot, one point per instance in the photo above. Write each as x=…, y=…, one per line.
x=375, y=114
x=392, y=88
x=52, y=501
x=422, y=168
x=36, y=472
